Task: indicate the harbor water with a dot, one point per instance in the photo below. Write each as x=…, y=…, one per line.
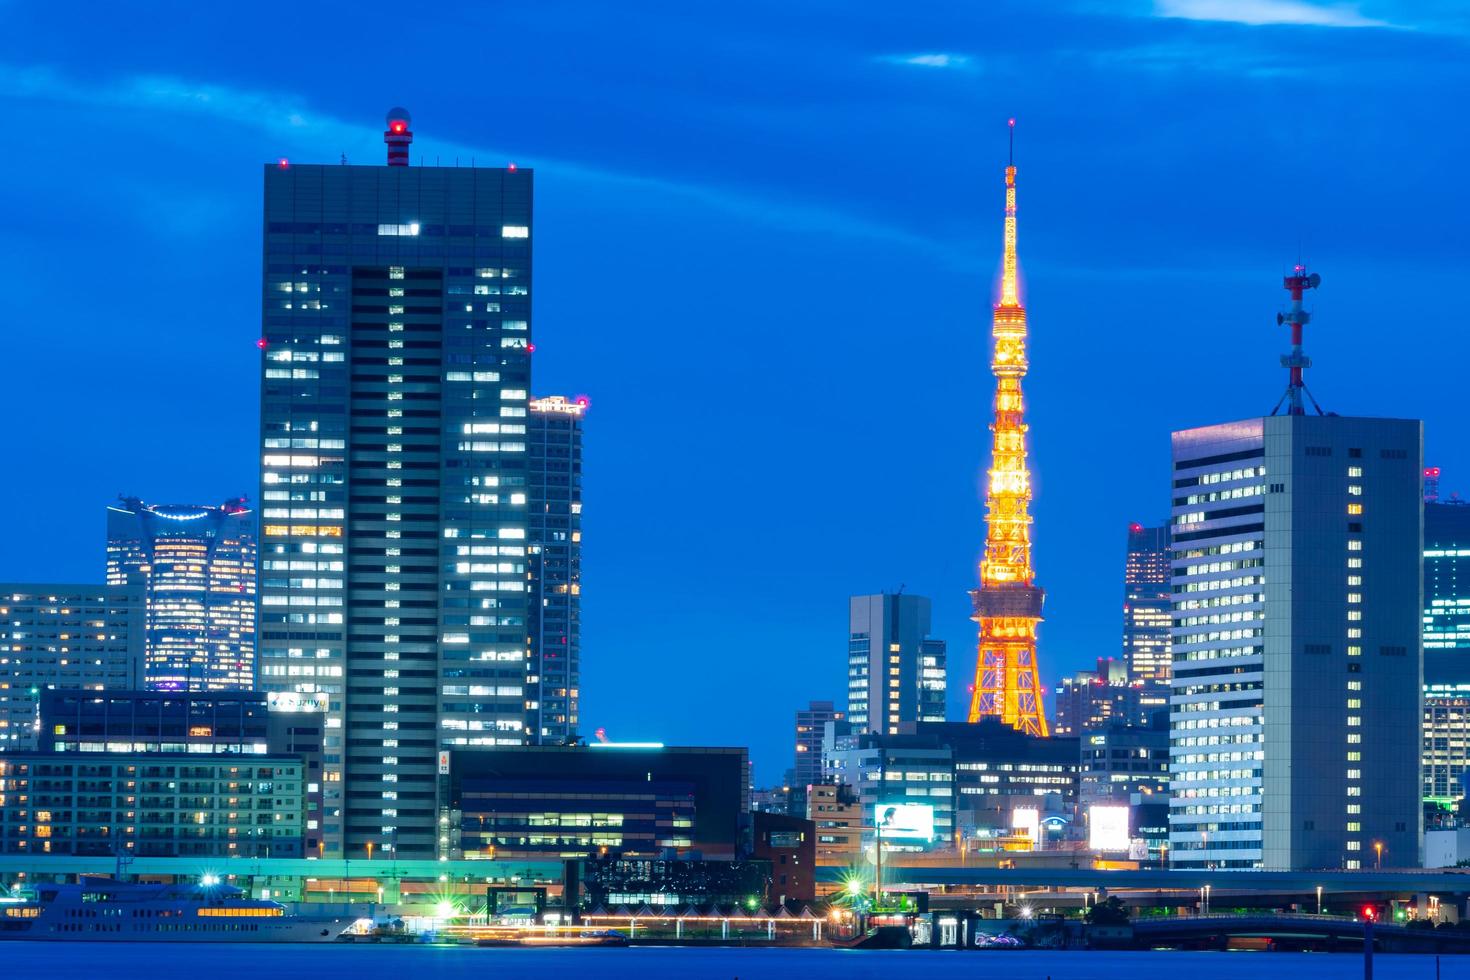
x=169, y=961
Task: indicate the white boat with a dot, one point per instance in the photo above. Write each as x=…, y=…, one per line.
x=106, y=910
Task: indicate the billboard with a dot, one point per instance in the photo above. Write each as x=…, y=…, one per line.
x=1107, y=828
x=904, y=821
x=1026, y=822
x=295, y=701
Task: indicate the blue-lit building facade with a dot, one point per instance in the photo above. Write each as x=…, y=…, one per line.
x=1446, y=756
x=554, y=562
x=395, y=363
x=195, y=568
x=1146, y=605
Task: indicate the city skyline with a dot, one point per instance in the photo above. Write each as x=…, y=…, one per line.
x=841, y=367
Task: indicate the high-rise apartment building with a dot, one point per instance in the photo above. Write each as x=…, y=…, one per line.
x=895, y=670
x=64, y=637
x=395, y=359
x=1146, y=601
x=1295, y=643
x=811, y=723
x=554, y=558
x=195, y=568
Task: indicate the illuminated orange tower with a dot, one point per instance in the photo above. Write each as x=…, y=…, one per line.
x=1008, y=602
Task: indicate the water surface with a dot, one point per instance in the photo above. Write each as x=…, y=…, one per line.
x=214, y=961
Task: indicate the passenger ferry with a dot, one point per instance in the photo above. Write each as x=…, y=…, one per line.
x=107, y=910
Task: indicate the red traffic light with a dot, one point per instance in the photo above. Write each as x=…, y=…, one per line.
x=1370, y=913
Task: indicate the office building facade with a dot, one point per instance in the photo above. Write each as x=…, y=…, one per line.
x=64, y=637
x=1296, y=672
x=554, y=561
x=395, y=359
x=912, y=773
x=151, y=805
x=895, y=669
x=1146, y=605
x=811, y=724
x=837, y=815
x=1446, y=754
x=195, y=567
x=219, y=723
x=541, y=801
x=1446, y=593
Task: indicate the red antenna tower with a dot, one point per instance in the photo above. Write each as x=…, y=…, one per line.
x=1296, y=361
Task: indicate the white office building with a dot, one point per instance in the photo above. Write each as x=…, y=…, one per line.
x=1295, y=706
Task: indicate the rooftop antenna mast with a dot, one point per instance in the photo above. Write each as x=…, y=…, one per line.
x=1296, y=361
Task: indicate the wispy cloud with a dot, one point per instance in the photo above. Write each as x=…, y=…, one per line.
x=286, y=120
x=934, y=60
x=1268, y=12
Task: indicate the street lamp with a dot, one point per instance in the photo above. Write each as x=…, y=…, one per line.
x=1319, y=899
x=1378, y=855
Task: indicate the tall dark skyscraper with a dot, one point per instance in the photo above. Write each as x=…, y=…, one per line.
x=195, y=570
x=395, y=359
x=1146, y=604
x=553, y=672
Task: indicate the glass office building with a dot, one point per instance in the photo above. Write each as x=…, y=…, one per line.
x=1296, y=644
x=554, y=562
x=195, y=568
x=395, y=370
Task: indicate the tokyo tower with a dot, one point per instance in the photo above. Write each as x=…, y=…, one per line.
x=1008, y=602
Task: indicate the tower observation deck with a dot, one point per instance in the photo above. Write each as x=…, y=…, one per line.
x=1008, y=602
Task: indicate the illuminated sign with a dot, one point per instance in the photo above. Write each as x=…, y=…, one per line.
x=443, y=763
x=559, y=405
x=904, y=821
x=1107, y=828
x=1026, y=822
x=295, y=701
x=200, y=731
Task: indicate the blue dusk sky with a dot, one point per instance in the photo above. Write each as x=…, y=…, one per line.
x=767, y=240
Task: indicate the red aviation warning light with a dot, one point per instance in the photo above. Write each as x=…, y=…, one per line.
x=399, y=136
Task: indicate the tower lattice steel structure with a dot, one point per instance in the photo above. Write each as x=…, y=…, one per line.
x=1008, y=602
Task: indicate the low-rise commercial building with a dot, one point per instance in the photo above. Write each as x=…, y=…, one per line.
x=837, y=815
x=578, y=801
x=790, y=845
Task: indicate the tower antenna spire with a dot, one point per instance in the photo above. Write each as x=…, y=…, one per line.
x=1297, y=361
x=1011, y=154
x=1008, y=602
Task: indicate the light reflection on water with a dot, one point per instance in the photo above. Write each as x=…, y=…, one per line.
x=217, y=961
